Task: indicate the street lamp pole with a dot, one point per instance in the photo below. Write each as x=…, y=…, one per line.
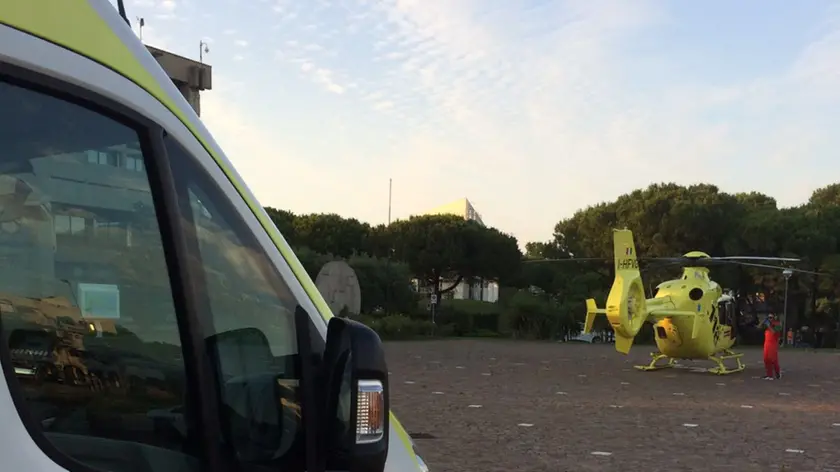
x=786, y=273
x=202, y=49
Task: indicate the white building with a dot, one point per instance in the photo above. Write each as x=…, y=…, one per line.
x=479, y=289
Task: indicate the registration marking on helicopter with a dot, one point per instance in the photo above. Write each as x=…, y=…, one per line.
x=795, y=451
x=689, y=425
x=746, y=406
x=679, y=394
x=601, y=453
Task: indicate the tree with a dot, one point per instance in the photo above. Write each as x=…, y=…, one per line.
x=332, y=234
x=545, y=250
x=385, y=285
x=826, y=196
x=669, y=220
x=446, y=248
x=285, y=222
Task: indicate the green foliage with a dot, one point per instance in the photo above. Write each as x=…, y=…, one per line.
x=668, y=220
x=470, y=317
x=312, y=261
x=448, y=247
x=546, y=300
x=399, y=327
x=384, y=285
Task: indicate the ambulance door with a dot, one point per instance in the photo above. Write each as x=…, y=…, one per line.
x=161, y=299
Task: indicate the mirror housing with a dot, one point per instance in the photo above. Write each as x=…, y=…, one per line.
x=356, y=404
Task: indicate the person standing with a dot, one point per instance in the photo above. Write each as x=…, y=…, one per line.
x=772, y=336
x=819, y=336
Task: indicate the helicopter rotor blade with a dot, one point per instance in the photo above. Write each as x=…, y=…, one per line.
x=767, y=266
x=652, y=263
x=571, y=259
x=756, y=258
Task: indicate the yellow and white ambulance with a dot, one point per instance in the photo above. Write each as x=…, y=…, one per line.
x=152, y=316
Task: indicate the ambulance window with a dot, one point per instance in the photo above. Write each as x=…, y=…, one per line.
x=245, y=291
x=86, y=305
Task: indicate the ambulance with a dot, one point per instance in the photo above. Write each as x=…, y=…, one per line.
x=153, y=318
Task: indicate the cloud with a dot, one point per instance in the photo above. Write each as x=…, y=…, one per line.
x=241, y=43
x=384, y=105
x=167, y=5
x=534, y=99
x=267, y=160
x=151, y=36
x=530, y=110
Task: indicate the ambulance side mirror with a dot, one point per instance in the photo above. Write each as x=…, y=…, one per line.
x=356, y=409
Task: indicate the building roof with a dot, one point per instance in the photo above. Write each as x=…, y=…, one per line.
x=461, y=207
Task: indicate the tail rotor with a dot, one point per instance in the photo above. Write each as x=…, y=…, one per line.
x=626, y=304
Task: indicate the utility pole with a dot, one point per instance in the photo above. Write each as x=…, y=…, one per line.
x=390, y=250
x=142, y=22
x=786, y=273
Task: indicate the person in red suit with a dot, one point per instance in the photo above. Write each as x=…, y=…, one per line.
x=772, y=337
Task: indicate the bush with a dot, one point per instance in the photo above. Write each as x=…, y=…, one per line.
x=464, y=317
x=384, y=285
x=398, y=327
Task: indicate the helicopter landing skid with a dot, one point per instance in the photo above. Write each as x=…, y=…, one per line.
x=657, y=356
x=721, y=368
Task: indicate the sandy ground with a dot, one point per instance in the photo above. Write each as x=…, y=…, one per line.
x=489, y=405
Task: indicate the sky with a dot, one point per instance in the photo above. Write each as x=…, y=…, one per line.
x=531, y=109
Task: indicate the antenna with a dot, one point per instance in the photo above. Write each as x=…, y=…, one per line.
x=142, y=22
x=121, y=8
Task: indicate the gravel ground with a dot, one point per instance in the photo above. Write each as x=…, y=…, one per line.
x=489, y=405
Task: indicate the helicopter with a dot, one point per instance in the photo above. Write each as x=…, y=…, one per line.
x=693, y=319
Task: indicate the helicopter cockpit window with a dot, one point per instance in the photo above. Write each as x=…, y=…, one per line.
x=85, y=301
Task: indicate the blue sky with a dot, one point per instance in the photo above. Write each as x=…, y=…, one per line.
x=532, y=109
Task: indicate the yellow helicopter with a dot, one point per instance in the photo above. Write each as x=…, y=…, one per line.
x=693, y=319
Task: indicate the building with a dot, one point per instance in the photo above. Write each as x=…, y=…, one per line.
x=191, y=77
x=474, y=289
x=67, y=215
x=461, y=207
